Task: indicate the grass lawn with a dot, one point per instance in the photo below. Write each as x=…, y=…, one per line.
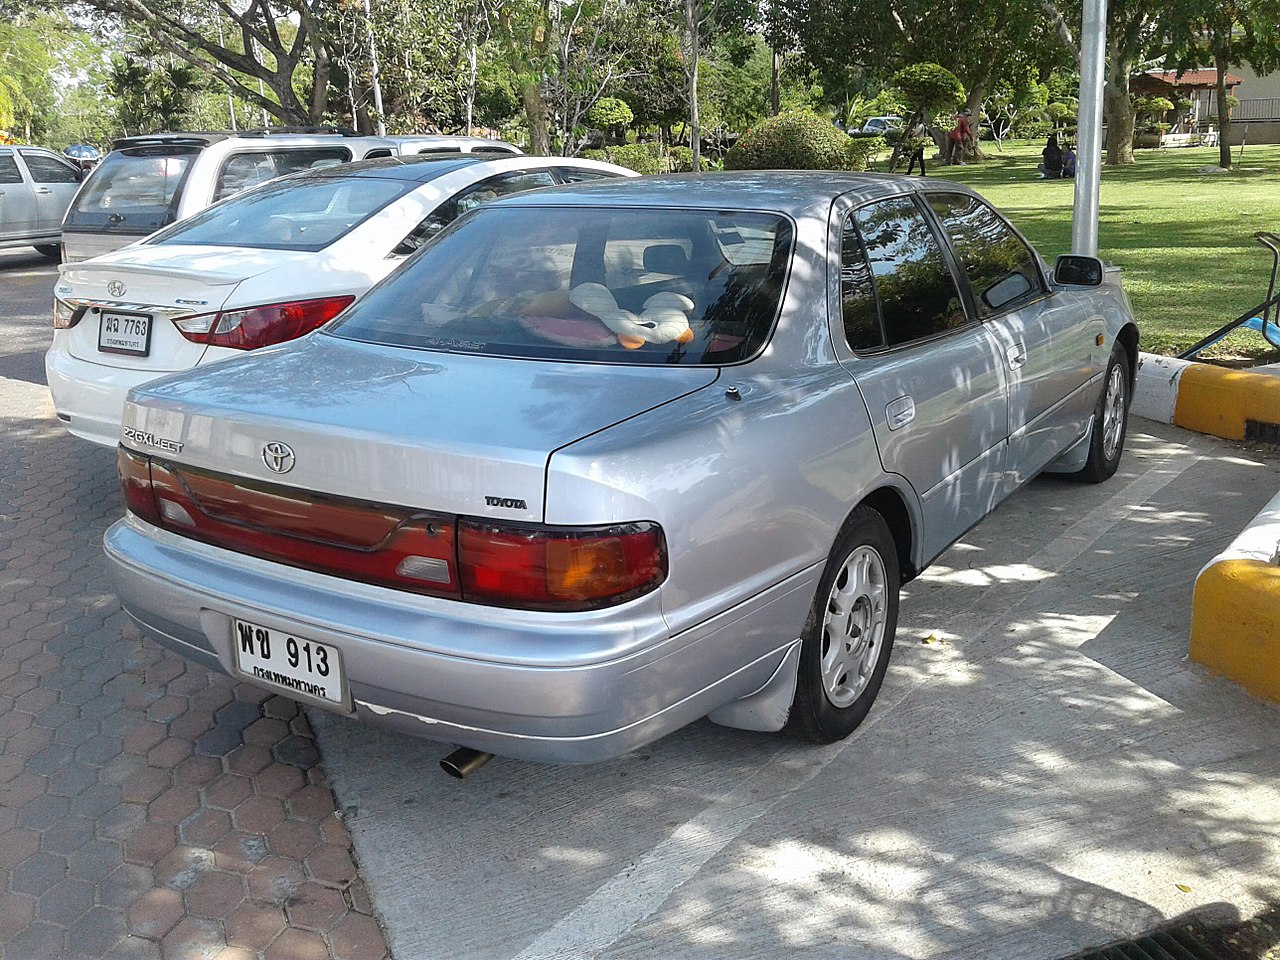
x=1184, y=239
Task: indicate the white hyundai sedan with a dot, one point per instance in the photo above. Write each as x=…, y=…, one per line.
x=260, y=268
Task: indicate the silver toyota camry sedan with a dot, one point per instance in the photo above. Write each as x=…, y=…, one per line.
x=603, y=460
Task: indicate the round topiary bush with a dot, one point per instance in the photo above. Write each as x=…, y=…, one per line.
x=800, y=141
x=929, y=87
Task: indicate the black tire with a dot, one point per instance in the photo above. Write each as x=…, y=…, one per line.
x=825, y=710
x=1106, y=449
x=51, y=250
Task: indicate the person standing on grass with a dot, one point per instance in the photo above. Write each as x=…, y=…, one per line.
x=957, y=137
x=917, y=140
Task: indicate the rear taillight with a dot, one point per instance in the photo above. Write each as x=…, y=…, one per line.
x=135, y=482
x=65, y=316
x=262, y=326
x=526, y=566
x=549, y=568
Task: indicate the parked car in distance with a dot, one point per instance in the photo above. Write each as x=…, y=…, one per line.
x=882, y=125
x=259, y=268
x=148, y=182
x=36, y=186
x=605, y=459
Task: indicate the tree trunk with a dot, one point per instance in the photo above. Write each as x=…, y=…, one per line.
x=775, y=87
x=1224, y=113
x=692, y=15
x=973, y=103
x=535, y=111
x=1117, y=108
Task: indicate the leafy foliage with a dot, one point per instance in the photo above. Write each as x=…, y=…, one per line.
x=929, y=87
x=800, y=141
x=645, y=157
x=611, y=113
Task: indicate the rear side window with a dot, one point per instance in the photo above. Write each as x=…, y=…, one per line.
x=296, y=214
x=46, y=169
x=244, y=170
x=615, y=285
x=9, y=172
x=133, y=190
x=487, y=190
x=858, y=292
x=1002, y=270
x=917, y=294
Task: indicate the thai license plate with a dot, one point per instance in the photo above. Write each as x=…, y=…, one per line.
x=296, y=666
x=128, y=333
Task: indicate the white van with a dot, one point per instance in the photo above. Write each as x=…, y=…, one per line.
x=148, y=182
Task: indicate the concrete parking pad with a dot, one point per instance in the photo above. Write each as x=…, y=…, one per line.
x=1046, y=771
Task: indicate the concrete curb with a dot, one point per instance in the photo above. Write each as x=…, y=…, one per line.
x=1235, y=610
x=1235, y=607
x=1204, y=398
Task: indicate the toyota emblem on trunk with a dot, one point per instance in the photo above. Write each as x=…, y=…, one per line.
x=278, y=457
x=117, y=288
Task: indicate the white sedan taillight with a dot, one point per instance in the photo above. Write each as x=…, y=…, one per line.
x=254, y=327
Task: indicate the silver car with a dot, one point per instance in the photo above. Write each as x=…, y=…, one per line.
x=602, y=460
x=36, y=187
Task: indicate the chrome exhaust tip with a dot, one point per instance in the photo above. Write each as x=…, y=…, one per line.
x=464, y=761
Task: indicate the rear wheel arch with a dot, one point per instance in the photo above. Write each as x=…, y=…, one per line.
x=890, y=504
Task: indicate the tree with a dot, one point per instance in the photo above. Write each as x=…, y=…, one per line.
x=928, y=89
x=1015, y=95
x=283, y=43
x=151, y=92
x=1228, y=32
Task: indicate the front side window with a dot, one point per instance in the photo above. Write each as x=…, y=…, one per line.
x=616, y=285
x=135, y=190
x=1002, y=270
x=306, y=214
x=49, y=169
x=487, y=190
x=917, y=294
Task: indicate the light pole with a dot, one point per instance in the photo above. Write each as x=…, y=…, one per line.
x=1093, y=50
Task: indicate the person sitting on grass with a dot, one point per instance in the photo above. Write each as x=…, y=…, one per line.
x=1051, y=167
x=1069, y=163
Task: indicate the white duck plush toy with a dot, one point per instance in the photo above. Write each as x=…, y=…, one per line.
x=665, y=317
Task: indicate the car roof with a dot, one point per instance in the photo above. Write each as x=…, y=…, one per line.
x=208, y=137
x=793, y=192
x=424, y=167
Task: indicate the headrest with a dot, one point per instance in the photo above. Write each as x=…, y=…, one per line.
x=666, y=258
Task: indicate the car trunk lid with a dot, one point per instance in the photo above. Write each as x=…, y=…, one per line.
x=454, y=433
x=163, y=283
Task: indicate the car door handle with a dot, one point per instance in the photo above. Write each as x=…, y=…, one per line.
x=898, y=413
x=1017, y=355
x=44, y=190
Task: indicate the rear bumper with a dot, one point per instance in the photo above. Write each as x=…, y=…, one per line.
x=89, y=397
x=537, y=686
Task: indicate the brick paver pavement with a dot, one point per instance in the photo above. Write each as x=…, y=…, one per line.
x=148, y=807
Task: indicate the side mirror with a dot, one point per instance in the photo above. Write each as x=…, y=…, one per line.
x=1079, y=271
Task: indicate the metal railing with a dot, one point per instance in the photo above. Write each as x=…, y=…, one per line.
x=1265, y=317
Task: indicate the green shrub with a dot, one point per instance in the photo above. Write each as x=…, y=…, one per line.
x=1033, y=129
x=645, y=157
x=680, y=159
x=800, y=141
x=930, y=87
x=640, y=157
x=610, y=113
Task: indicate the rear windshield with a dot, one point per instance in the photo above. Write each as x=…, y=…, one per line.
x=620, y=285
x=305, y=214
x=133, y=191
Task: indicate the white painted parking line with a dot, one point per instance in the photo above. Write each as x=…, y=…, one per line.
x=636, y=892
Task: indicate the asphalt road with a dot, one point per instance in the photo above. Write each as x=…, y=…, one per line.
x=1044, y=771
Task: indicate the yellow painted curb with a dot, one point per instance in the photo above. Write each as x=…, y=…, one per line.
x=1218, y=401
x=1235, y=624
